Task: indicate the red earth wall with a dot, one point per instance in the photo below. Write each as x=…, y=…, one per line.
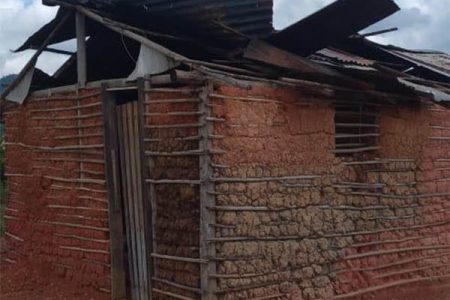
x=57, y=211
x=293, y=220
x=300, y=223
x=172, y=124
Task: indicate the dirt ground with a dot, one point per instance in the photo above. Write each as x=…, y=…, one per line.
x=20, y=282
x=425, y=291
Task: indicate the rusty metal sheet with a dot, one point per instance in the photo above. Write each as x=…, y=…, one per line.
x=206, y=19
x=331, y=24
x=436, y=94
x=436, y=61
x=245, y=16
x=342, y=57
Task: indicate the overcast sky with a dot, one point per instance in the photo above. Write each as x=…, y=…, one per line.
x=423, y=24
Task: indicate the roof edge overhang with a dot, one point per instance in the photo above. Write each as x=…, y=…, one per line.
x=129, y=32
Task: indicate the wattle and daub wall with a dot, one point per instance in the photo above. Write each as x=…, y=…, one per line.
x=57, y=210
x=289, y=218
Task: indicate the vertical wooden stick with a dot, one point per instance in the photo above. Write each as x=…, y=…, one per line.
x=80, y=21
x=207, y=216
x=144, y=173
x=148, y=176
x=118, y=277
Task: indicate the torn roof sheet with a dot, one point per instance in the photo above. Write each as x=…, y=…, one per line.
x=66, y=32
x=252, y=18
x=437, y=94
x=431, y=65
x=436, y=61
x=341, y=56
x=331, y=24
x=338, y=66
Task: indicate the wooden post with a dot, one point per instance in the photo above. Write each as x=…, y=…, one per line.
x=148, y=176
x=147, y=193
x=207, y=216
x=80, y=21
x=112, y=167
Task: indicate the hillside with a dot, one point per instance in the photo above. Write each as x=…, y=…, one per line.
x=6, y=80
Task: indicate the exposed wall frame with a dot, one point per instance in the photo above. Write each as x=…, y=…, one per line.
x=146, y=189
x=207, y=216
x=118, y=173
x=80, y=23
x=116, y=229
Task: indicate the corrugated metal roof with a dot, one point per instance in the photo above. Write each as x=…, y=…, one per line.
x=436, y=61
x=431, y=91
x=331, y=24
x=342, y=57
x=250, y=17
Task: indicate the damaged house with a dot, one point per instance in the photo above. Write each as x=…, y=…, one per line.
x=187, y=150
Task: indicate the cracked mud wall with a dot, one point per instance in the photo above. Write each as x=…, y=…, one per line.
x=296, y=222
x=172, y=157
x=270, y=202
x=292, y=220
x=57, y=210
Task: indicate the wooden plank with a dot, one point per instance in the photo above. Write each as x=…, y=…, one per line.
x=80, y=21
x=148, y=178
x=263, y=52
x=207, y=216
x=118, y=277
x=134, y=200
x=355, y=150
x=179, y=258
x=125, y=195
x=139, y=202
x=146, y=189
x=177, y=285
x=127, y=182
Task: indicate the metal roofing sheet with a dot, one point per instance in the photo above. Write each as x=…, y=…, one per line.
x=343, y=57
x=437, y=61
x=436, y=94
x=250, y=17
x=331, y=24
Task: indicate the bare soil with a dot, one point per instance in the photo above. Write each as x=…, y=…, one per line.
x=418, y=291
x=23, y=282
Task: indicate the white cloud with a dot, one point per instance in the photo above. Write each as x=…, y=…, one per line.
x=287, y=12
x=423, y=24
x=17, y=22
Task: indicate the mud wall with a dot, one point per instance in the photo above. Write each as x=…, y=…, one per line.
x=56, y=215
x=271, y=194
x=408, y=241
x=172, y=157
x=296, y=222
x=292, y=220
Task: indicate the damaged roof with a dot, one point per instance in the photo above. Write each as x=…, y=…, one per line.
x=252, y=18
x=331, y=24
x=238, y=36
x=437, y=61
